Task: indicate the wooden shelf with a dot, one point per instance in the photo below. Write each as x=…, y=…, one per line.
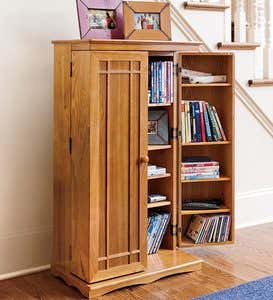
x=223, y=178
x=203, y=211
x=186, y=242
x=159, y=204
x=159, y=176
x=159, y=104
x=205, y=6
x=197, y=85
x=237, y=46
x=207, y=143
x=159, y=147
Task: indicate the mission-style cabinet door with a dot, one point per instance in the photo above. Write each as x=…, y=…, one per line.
x=109, y=163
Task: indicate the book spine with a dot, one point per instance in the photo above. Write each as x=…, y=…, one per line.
x=172, y=82
x=200, y=169
x=213, y=123
x=186, y=121
x=152, y=82
x=183, y=121
x=219, y=135
x=198, y=122
x=206, y=118
x=203, y=131
x=219, y=123
x=200, y=164
x=193, y=119
x=163, y=82
x=199, y=176
x=189, y=121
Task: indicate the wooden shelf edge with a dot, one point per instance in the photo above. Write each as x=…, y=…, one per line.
x=186, y=242
x=196, y=85
x=205, y=6
x=206, y=143
x=223, y=178
x=205, y=212
x=237, y=46
x=159, y=176
x=260, y=82
x=158, y=204
x=158, y=147
x=159, y=104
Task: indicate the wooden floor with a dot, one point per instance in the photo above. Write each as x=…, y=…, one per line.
x=250, y=258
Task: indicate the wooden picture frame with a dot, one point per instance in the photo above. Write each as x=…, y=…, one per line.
x=158, y=127
x=157, y=20
x=95, y=9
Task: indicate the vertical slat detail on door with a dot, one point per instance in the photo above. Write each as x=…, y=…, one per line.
x=107, y=170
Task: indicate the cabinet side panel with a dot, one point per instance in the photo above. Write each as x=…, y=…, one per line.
x=80, y=133
x=62, y=169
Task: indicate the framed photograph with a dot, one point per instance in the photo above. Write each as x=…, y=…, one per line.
x=158, y=127
x=100, y=19
x=147, y=20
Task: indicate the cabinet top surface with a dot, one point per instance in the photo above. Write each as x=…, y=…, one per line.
x=127, y=42
x=138, y=45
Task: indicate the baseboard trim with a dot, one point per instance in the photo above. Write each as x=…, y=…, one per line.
x=246, y=225
x=24, y=272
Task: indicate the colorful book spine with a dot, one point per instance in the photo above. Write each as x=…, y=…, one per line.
x=203, y=129
x=200, y=164
x=189, y=122
x=219, y=123
x=183, y=122
x=198, y=122
x=213, y=123
x=206, y=119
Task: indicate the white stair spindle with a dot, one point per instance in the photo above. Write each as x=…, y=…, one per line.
x=240, y=22
x=268, y=47
x=257, y=33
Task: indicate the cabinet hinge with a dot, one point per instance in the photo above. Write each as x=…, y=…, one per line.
x=70, y=145
x=179, y=229
x=70, y=252
x=173, y=230
x=178, y=69
x=71, y=69
x=174, y=133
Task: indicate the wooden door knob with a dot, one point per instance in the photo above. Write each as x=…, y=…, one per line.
x=144, y=159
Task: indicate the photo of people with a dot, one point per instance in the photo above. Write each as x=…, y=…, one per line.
x=102, y=19
x=147, y=21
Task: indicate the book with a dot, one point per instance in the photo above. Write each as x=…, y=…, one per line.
x=186, y=73
x=161, y=79
x=157, y=226
x=206, y=119
x=200, y=122
x=156, y=198
x=207, y=79
x=219, y=123
x=203, y=130
x=209, y=228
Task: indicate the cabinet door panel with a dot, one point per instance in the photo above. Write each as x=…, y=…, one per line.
x=115, y=199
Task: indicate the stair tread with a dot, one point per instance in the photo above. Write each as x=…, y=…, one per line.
x=237, y=46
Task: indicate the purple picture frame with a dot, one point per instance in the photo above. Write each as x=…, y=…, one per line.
x=83, y=6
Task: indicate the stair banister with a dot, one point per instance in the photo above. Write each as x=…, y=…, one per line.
x=268, y=47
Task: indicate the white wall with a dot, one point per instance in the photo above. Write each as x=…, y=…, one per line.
x=26, y=29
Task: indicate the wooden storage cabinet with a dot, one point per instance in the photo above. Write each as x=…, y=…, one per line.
x=101, y=154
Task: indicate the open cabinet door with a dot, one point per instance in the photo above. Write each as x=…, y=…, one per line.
x=109, y=176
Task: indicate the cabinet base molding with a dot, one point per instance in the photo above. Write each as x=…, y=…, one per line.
x=162, y=264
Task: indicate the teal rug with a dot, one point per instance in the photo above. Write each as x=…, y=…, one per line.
x=261, y=289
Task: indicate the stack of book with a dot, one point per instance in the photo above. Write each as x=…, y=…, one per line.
x=200, y=122
x=155, y=170
x=161, y=82
x=152, y=198
x=209, y=228
x=157, y=226
x=200, y=170
x=191, y=76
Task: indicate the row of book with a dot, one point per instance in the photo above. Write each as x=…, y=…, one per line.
x=209, y=228
x=161, y=82
x=200, y=170
x=200, y=122
x=157, y=226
